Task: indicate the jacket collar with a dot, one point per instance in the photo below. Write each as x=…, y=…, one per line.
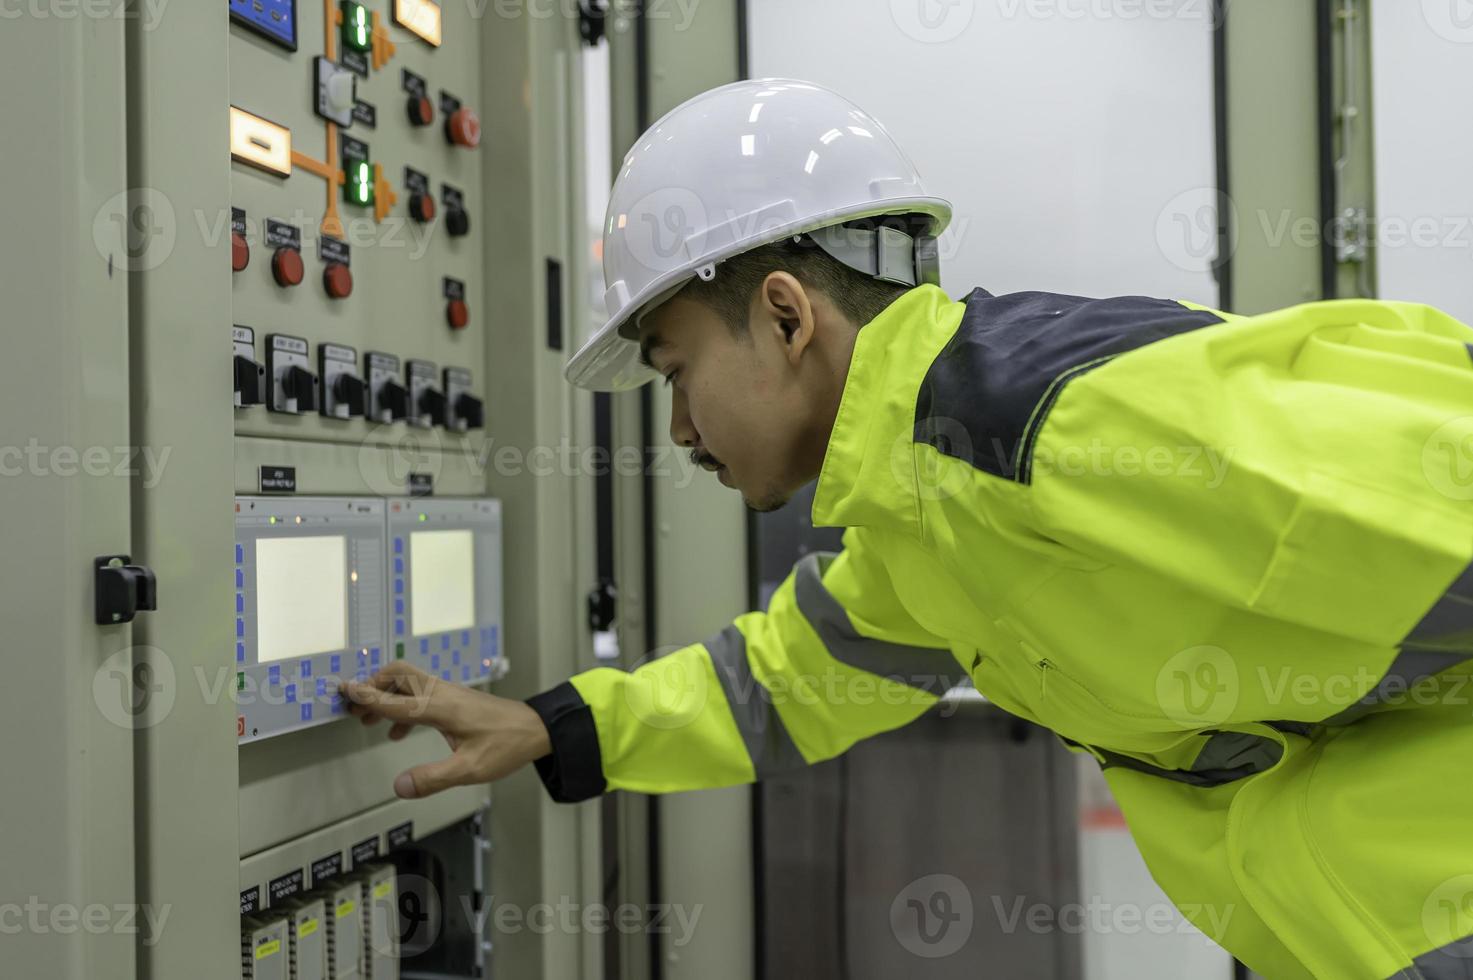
x=869, y=475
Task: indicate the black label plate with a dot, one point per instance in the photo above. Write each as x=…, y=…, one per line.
x=278, y=479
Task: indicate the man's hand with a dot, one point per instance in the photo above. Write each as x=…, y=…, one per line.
x=489, y=737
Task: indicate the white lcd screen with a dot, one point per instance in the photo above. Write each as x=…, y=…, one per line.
x=301, y=596
x=442, y=569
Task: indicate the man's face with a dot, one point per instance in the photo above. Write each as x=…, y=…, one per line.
x=754, y=407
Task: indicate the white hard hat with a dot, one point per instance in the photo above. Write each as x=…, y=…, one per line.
x=740, y=166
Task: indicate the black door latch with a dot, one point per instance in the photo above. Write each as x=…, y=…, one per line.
x=122, y=589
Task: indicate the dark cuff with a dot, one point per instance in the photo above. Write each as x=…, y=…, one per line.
x=574, y=770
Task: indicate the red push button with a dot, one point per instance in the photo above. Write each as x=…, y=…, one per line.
x=458, y=314
x=240, y=252
x=464, y=128
x=337, y=280
x=421, y=111
x=422, y=207
x=286, y=266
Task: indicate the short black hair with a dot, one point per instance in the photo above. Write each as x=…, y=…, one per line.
x=858, y=296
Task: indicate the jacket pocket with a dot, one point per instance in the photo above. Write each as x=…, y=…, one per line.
x=1061, y=702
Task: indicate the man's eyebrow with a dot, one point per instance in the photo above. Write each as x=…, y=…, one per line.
x=648, y=346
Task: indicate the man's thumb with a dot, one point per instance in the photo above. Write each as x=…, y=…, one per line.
x=430, y=778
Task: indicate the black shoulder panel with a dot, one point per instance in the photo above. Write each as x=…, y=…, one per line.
x=992, y=384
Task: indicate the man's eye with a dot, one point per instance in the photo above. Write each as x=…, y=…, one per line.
x=670, y=378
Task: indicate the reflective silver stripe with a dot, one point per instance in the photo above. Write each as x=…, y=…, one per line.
x=1238, y=752
x=767, y=739
x=1443, y=639
x=1451, y=962
x=1448, y=625
x=920, y=667
x=1227, y=757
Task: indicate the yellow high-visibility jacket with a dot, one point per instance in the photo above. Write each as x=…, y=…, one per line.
x=1177, y=537
x=1123, y=519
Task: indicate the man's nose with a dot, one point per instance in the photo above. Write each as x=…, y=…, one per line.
x=682, y=430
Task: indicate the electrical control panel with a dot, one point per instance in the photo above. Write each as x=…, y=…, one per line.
x=330, y=588
x=445, y=578
x=357, y=158
x=309, y=607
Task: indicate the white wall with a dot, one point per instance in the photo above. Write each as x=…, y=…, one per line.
x=1422, y=100
x=1078, y=152
x=1074, y=147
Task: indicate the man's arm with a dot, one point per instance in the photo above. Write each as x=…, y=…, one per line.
x=834, y=659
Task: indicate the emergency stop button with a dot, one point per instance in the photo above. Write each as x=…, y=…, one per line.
x=457, y=313
x=240, y=252
x=337, y=280
x=463, y=128
x=286, y=266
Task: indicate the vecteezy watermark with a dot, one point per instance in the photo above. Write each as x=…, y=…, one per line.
x=135, y=687
x=147, y=12
x=135, y=230
x=38, y=918
x=671, y=692
x=1447, y=459
x=389, y=453
x=1207, y=12
x=1197, y=228
x=1099, y=917
x=1447, y=917
x=933, y=21
x=932, y=917
x=35, y=459
x=1198, y=686
x=1451, y=20
x=1205, y=685
x=570, y=917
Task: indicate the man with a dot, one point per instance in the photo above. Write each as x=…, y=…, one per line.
x=1229, y=557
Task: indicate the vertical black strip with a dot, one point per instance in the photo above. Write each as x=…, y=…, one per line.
x=744, y=66
x=603, y=484
x=554, y=304
x=603, y=506
x=1325, y=119
x=1222, y=268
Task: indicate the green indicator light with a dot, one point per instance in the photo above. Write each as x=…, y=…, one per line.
x=239, y=681
x=273, y=520
x=398, y=651
x=356, y=26
x=422, y=517
x=363, y=185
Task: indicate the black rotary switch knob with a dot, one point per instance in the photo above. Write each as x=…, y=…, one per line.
x=432, y=404
x=394, y=399
x=348, y=389
x=301, y=384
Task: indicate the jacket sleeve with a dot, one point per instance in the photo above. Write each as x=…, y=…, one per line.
x=1314, y=464
x=833, y=660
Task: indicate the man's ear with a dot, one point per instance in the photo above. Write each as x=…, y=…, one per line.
x=785, y=306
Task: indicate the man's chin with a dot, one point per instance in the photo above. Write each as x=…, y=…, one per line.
x=768, y=504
